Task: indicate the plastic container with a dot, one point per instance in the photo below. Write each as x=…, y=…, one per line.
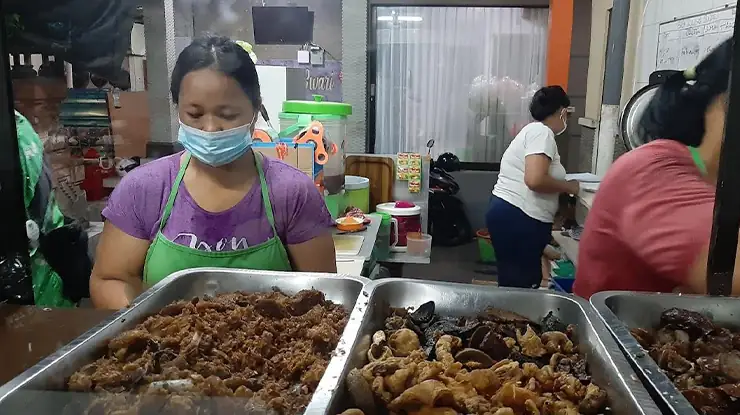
x=335, y=204
x=564, y=277
x=297, y=115
x=383, y=240
x=357, y=192
x=405, y=218
x=419, y=244
x=485, y=248
x=563, y=284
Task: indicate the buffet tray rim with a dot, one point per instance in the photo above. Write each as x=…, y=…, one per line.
x=328, y=382
x=650, y=373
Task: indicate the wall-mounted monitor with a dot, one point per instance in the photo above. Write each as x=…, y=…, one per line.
x=282, y=25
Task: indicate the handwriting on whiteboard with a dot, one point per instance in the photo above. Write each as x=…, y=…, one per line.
x=683, y=43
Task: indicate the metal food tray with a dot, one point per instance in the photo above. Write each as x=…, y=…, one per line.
x=608, y=366
x=623, y=310
x=37, y=390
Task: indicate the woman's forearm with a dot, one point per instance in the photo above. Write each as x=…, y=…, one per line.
x=113, y=294
x=549, y=184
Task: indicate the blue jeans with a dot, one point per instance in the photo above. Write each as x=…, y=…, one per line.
x=519, y=241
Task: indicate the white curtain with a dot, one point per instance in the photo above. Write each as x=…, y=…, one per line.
x=462, y=76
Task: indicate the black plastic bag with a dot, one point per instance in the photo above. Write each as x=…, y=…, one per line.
x=65, y=250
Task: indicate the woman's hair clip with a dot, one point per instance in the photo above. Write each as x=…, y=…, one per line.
x=690, y=74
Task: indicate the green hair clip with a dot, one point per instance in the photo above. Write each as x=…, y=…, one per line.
x=690, y=74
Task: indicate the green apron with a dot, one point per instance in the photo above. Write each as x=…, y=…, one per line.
x=166, y=257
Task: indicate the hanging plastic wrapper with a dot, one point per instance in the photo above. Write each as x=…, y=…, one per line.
x=491, y=96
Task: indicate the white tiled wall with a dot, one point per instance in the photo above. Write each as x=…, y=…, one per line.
x=661, y=11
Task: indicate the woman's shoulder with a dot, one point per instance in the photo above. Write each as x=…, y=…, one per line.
x=142, y=190
x=536, y=128
x=659, y=156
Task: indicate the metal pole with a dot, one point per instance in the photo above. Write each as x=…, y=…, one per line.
x=15, y=280
x=613, y=75
x=723, y=245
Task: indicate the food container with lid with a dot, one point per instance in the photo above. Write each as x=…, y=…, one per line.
x=405, y=218
x=298, y=115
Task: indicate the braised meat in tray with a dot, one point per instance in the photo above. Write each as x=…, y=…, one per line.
x=495, y=363
x=702, y=359
x=261, y=352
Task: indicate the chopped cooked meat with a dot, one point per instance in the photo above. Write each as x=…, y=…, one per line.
x=644, y=337
x=404, y=342
x=719, y=341
x=474, y=366
x=693, y=323
x=268, y=349
x=729, y=364
x=503, y=316
x=531, y=343
x=701, y=398
x=304, y=301
x=429, y=393
x=668, y=359
x=701, y=359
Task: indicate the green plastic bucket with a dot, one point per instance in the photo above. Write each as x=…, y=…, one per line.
x=357, y=192
x=485, y=247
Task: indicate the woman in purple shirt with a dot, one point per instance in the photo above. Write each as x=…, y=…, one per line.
x=218, y=204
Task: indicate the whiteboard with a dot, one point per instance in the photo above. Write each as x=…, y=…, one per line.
x=685, y=42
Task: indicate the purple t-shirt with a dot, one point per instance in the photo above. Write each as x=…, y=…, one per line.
x=137, y=204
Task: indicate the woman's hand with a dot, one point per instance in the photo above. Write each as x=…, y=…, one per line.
x=117, y=275
x=574, y=187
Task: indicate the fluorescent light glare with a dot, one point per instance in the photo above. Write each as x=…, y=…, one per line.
x=385, y=18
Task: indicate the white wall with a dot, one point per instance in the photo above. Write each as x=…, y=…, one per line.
x=656, y=13
x=641, y=49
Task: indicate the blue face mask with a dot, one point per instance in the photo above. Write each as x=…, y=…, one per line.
x=216, y=148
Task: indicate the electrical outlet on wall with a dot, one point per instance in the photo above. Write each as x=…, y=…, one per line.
x=304, y=56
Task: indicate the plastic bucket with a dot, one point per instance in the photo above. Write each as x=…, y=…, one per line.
x=485, y=247
x=357, y=192
x=564, y=276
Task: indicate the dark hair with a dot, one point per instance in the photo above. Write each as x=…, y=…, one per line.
x=222, y=54
x=547, y=101
x=677, y=109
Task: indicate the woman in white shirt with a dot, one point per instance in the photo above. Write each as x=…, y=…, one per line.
x=525, y=198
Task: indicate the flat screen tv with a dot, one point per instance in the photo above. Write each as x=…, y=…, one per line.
x=282, y=25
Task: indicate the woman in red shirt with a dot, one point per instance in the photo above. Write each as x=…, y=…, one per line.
x=650, y=223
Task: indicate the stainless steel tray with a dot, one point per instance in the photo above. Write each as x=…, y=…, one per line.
x=609, y=368
x=37, y=389
x=623, y=310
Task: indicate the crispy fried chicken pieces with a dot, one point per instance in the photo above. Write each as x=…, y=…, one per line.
x=268, y=351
